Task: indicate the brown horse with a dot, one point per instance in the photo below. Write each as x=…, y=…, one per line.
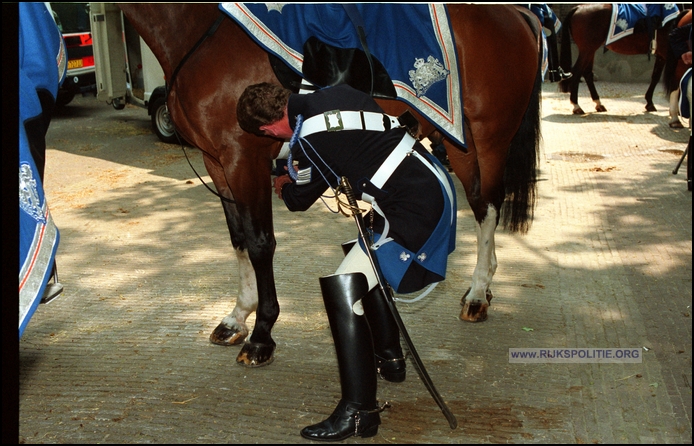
x=502, y=99
x=588, y=25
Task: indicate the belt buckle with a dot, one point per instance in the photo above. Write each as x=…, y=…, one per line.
x=333, y=121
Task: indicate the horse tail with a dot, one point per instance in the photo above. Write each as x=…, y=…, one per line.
x=520, y=175
x=565, y=51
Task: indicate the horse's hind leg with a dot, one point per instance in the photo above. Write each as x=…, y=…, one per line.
x=674, y=110
x=476, y=299
x=480, y=294
x=593, y=91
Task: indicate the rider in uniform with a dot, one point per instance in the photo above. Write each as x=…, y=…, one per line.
x=339, y=131
x=550, y=27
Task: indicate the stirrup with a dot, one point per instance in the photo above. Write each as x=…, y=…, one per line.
x=564, y=75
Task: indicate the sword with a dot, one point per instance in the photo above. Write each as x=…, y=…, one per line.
x=386, y=291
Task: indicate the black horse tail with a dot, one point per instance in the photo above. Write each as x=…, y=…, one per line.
x=565, y=52
x=520, y=176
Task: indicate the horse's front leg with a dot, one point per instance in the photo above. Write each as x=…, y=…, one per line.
x=233, y=329
x=259, y=349
x=249, y=218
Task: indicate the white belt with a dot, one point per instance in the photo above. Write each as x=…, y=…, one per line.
x=337, y=120
x=402, y=150
x=391, y=163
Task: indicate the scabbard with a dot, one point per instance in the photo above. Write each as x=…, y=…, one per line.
x=388, y=296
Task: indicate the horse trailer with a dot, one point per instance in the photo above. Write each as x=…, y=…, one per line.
x=126, y=70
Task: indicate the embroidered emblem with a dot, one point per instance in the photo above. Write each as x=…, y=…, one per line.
x=404, y=256
x=422, y=257
x=29, y=200
x=333, y=121
x=426, y=74
x=61, y=59
x=621, y=24
x=275, y=7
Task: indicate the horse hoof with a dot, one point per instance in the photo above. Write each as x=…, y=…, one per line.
x=462, y=300
x=651, y=108
x=253, y=354
x=474, y=312
x=223, y=335
x=579, y=111
x=600, y=108
x=488, y=295
x=676, y=125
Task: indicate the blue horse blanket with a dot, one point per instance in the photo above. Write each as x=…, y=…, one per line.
x=42, y=67
x=413, y=41
x=684, y=105
x=625, y=16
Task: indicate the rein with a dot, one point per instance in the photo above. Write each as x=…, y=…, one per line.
x=211, y=30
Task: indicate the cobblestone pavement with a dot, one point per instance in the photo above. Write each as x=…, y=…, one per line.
x=123, y=355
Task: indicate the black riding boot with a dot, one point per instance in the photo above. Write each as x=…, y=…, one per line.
x=390, y=361
x=357, y=413
x=555, y=72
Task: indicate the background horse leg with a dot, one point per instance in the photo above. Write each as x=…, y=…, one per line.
x=590, y=83
x=674, y=110
x=658, y=67
x=574, y=82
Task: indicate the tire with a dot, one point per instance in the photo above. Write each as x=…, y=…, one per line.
x=118, y=104
x=161, y=122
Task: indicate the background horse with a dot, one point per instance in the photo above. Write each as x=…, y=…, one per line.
x=673, y=72
x=588, y=25
x=502, y=100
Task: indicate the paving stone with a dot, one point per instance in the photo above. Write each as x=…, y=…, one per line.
x=123, y=355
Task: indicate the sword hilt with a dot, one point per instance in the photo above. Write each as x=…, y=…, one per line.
x=349, y=193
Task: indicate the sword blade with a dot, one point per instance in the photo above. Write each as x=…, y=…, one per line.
x=386, y=292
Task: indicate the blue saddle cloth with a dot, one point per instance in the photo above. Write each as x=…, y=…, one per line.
x=414, y=43
x=42, y=67
x=625, y=16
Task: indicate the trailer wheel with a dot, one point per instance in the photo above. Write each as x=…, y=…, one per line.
x=118, y=104
x=161, y=122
